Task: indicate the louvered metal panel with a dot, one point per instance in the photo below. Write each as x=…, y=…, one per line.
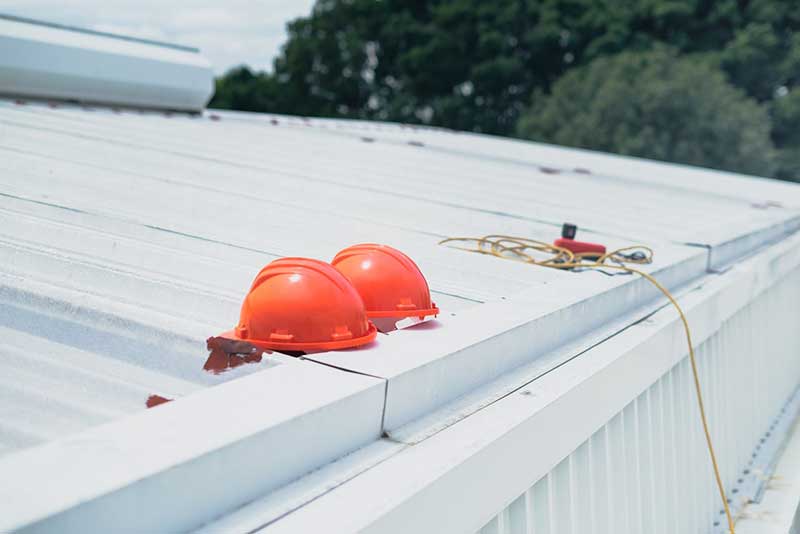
x=647, y=469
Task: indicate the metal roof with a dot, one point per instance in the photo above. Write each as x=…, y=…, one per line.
x=127, y=238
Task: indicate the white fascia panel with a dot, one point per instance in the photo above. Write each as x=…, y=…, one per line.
x=181, y=464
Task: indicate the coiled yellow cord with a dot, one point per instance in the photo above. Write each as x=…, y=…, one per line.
x=517, y=248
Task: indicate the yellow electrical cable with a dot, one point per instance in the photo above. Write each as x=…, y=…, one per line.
x=563, y=258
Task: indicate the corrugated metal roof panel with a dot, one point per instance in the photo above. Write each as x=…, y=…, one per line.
x=128, y=238
x=168, y=217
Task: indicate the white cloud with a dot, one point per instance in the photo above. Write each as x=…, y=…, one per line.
x=229, y=33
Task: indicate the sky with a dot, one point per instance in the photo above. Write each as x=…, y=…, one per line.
x=229, y=33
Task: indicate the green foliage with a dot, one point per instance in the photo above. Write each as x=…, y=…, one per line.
x=786, y=134
x=475, y=64
x=655, y=105
x=241, y=89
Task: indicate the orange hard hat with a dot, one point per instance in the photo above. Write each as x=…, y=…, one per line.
x=390, y=283
x=300, y=304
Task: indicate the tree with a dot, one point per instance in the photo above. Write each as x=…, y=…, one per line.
x=786, y=133
x=655, y=105
x=472, y=64
x=475, y=65
x=244, y=90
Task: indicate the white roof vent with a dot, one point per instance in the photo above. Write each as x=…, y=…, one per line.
x=51, y=61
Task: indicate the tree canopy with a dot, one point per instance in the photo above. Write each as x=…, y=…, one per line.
x=476, y=65
x=658, y=106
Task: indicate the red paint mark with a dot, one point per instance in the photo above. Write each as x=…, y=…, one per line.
x=228, y=353
x=155, y=400
x=20, y=102
x=385, y=324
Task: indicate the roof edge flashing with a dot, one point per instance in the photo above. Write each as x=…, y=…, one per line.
x=255, y=435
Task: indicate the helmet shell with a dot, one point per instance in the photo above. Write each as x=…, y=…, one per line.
x=389, y=282
x=302, y=304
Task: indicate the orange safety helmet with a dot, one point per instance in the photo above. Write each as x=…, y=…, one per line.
x=300, y=304
x=390, y=283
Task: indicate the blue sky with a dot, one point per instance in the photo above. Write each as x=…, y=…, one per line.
x=229, y=33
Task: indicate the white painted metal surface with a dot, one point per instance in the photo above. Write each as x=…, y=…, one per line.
x=608, y=442
x=647, y=469
x=42, y=60
x=178, y=465
x=127, y=238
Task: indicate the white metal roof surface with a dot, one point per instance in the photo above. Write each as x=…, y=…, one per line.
x=164, y=220
x=128, y=238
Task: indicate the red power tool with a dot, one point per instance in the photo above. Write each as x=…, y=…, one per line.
x=567, y=241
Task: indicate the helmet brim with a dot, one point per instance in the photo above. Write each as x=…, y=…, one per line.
x=403, y=313
x=370, y=336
